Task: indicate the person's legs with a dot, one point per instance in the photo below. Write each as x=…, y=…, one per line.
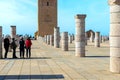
x=27, y=52
x=22, y=53
x=6, y=51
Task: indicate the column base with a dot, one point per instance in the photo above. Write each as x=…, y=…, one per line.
x=115, y=64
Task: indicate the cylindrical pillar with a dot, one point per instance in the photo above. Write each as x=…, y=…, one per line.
x=48, y=39
x=64, y=41
x=80, y=35
x=101, y=39
x=86, y=38
x=51, y=40
x=13, y=31
x=45, y=38
x=97, y=39
x=114, y=36
x=56, y=37
x=1, y=42
x=70, y=39
x=73, y=37
x=91, y=37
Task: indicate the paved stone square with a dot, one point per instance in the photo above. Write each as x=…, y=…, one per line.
x=49, y=63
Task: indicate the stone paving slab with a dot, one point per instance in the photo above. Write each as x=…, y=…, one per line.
x=49, y=63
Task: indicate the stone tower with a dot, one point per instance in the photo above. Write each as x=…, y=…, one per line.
x=47, y=17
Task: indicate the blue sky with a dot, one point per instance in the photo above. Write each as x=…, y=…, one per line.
x=23, y=14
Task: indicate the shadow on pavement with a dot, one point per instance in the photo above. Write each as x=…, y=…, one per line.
x=12, y=77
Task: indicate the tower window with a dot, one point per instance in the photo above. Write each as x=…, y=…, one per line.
x=48, y=4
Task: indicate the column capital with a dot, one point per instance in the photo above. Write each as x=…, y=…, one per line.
x=80, y=16
x=114, y=2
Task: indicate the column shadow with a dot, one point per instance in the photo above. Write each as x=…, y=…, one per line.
x=97, y=56
x=12, y=77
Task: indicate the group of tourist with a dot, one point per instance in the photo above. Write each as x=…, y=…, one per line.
x=23, y=44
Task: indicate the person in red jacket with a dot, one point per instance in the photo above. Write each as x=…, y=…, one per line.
x=28, y=44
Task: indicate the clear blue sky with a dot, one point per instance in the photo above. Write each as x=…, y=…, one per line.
x=23, y=14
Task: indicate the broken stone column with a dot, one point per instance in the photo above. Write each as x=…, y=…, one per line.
x=80, y=35
x=92, y=37
x=48, y=39
x=56, y=37
x=101, y=39
x=114, y=36
x=70, y=39
x=1, y=42
x=73, y=37
x=51, y=40
x=45, y=37
x=97, y=39
x=13, y=31
x=64, y=41
x=86, y=38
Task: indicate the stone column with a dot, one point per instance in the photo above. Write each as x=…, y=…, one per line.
x=101, y=39
x=64, y=41
x=1, y=42
x=45, y=38
x=86, y=38
x=114, y=36
x=92, y=37
x=97, y=39
x=56, y=37
x=48, y=39
x=80, y=35
x=70, y=39
x=51, y=40
x=13, y=31
x=73, y=37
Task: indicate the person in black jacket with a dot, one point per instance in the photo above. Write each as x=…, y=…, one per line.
x=14, y=46
x=6, y=46
x=22, y=45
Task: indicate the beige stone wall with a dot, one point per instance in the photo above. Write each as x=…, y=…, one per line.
x=47, y=17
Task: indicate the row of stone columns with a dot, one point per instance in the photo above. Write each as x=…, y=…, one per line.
x=114, y=36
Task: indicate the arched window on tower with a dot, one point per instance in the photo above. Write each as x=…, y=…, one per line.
x=48, y=4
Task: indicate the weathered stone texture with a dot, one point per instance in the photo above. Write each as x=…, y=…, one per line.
x=80, y=35
x=97, y=39
x=114, y=36
x=1, y=42
x=47, y=17
x=56, y=37
x=64, y=41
